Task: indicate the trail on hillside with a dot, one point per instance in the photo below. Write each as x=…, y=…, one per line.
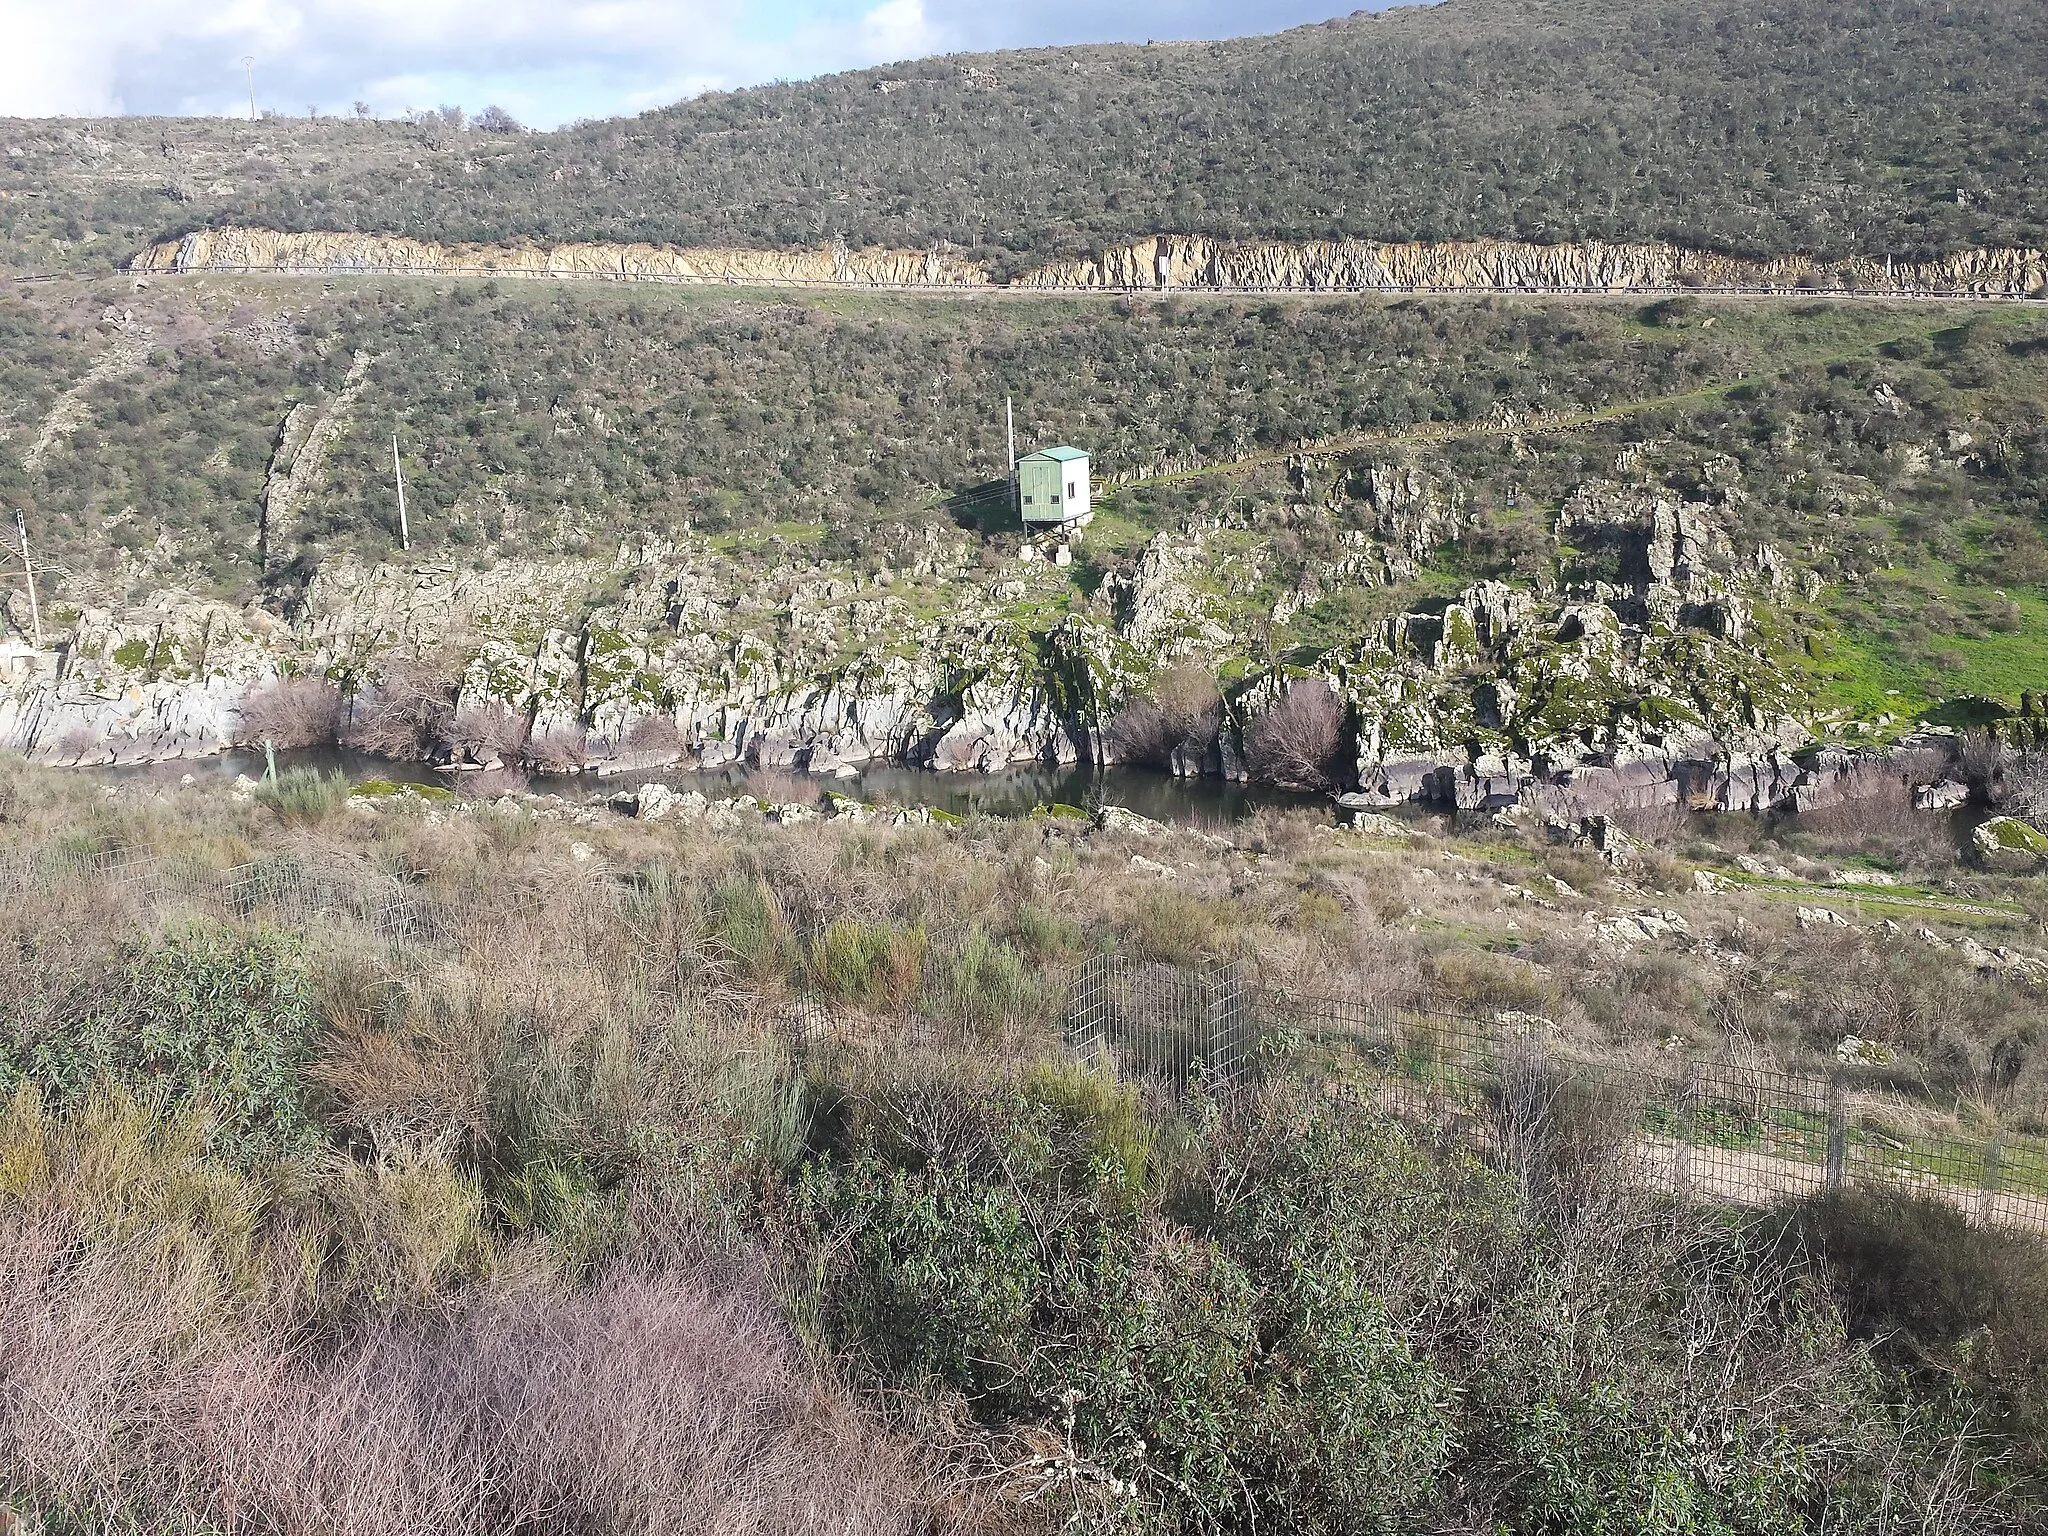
x=1505, y=425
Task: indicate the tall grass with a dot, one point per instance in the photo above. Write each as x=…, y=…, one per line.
x=305, y=795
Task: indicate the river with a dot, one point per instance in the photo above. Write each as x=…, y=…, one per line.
x=1204, y=802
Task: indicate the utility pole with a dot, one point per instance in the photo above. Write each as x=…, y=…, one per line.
x=35, y=614
x=249, y=63
x=1010, y=429
x=398, y=476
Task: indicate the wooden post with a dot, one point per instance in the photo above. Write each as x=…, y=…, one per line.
x=1681, y=1148
x=1010, y=430
x=1987, y=1190
x=1838, y=1132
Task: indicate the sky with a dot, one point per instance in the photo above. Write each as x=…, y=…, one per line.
x=547, y=62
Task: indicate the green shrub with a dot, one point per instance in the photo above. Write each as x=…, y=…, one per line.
x=305, y=794
x=985, y=983
x=210, y=1019
x=1100, y=1119
x=745, y=923
x=1942, y=1299
x=1315, y=1324
x=874, y=965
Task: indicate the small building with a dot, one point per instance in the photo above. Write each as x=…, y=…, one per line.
x=1052, y=486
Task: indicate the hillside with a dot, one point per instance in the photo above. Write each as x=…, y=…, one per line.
x=1467, y=952
x=1828, y=127
x=1517, y=534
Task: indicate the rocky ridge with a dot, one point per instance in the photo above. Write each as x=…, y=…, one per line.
x=1633, y=678
x=1163, y=262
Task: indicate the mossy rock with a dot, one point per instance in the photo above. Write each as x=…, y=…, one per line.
x=2007, y=843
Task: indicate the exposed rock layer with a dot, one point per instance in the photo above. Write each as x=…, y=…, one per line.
x=1162, y=262
x=262, y=250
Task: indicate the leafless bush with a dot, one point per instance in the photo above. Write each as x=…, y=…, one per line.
x=563, y=750
x=1661, y=825
x=1979, y=757
x=485, y=732
x=656, y=1399
x=652, y=735
x=1297, y=743
x=778, y=786
x=407, y=712
x=1880, y=820
x=2023, y=787
x=293, y=712
x=1182, y=711
x=1562, y=1132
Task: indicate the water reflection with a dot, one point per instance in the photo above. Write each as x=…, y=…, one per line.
x=1014, y=792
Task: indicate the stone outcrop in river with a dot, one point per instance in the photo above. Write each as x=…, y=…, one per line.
x=1173, y=262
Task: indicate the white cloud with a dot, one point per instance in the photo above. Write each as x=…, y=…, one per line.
x=546, y=60
x=897, y=29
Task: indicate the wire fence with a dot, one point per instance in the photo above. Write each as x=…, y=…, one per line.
x=1714, y=1128
x=1725, y=1129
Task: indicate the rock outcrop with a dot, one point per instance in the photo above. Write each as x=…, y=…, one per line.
x=1159, y=263
x=1169, y=262
x=261, y=250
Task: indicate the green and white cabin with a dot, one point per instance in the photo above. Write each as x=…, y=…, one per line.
x=1052, y=486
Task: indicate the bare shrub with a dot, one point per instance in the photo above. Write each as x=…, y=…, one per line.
x=1298, y=742
x=1979, y=757
x=1182, y=711
x=2023, y=787
x=293, y=712
x=779, y=786
x=1563, y=1132
x=485, y=732
x=1661, y=825
x=561, y=750
x=1880, y=821
x=652, y=735
x=653, y=1399
x=407, y=712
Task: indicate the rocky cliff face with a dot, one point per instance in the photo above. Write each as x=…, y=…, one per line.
x=1179, y=262
x=803, y=665
x=1162, y=262
x=1632, y=680
x=262, y=250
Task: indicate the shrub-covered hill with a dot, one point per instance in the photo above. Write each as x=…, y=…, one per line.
x=230, y=437
x=1903, y=127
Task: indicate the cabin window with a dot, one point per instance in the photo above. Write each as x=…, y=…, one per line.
x=1029, y=498
x=1071, y=492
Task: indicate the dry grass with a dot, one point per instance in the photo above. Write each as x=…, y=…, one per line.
x=183, y=1345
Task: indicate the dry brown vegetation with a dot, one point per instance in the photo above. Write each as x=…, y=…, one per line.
x=667, y=1186
x=1297, y=742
